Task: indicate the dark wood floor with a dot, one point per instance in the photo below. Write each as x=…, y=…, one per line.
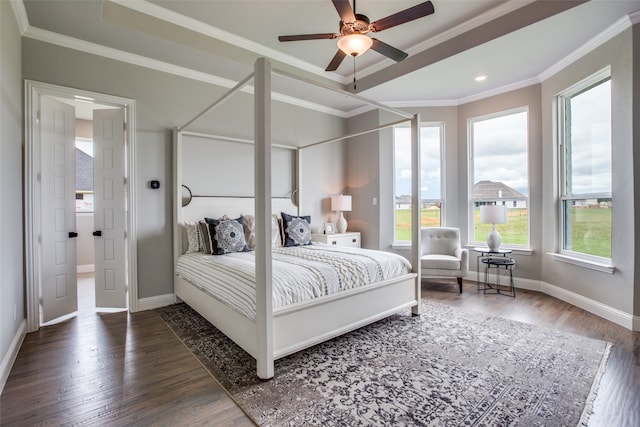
x=129, y=369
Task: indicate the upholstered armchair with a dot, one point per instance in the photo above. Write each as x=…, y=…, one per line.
x=441, y=253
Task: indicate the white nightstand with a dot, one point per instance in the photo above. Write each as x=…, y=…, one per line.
x=339, y=239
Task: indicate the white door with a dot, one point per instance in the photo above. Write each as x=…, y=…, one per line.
x=109, y=208
x=58, y=217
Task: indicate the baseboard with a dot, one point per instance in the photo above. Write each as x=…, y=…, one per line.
x=636, y=324
x=86, y=268
x=156, y=302
x=612, y=314
x=519, y=283
x=12, y=353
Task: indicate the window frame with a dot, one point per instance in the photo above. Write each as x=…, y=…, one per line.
x=582, y=86
x=441, y=201
x=471, y=174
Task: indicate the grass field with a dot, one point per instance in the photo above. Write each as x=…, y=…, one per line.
x=591, y=231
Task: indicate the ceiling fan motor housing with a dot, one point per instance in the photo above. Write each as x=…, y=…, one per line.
x=359, y=26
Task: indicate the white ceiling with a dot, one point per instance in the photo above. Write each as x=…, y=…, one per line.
x=514, y=42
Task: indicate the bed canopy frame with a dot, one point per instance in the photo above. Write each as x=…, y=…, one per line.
x=262, y=347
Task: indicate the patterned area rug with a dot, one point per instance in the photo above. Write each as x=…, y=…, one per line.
x=446, y=367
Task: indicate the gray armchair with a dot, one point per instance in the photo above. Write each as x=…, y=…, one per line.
x=441, y=253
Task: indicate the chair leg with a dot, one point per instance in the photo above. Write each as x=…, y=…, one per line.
x=460, y=283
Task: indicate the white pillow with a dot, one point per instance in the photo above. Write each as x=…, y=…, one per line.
x=193, y=237
x=276, y=233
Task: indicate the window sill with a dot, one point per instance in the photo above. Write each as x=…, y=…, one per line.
x=594, y=265
x=514, y=251
x=401, y=245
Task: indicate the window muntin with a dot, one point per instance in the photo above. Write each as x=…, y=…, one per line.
x=499, y=174
x=586, y=166
x=431, y=137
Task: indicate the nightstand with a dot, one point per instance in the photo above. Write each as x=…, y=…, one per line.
x=338, y=239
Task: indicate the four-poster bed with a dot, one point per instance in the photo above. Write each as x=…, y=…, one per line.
x=276, y=332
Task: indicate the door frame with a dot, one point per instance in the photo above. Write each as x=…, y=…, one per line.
x=32, y=203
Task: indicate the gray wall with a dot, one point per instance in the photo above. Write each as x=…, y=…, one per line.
x=12, y=295
x=165, y=101
x=615, y=290
x=363, y=180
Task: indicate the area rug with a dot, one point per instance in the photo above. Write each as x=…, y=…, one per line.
x=446, y=367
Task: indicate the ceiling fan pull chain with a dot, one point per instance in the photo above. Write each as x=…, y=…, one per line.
x=354, y=71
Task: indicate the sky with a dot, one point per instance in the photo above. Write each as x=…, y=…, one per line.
x=500, y=145
x=430, y=140
x=591, y=140
x=500, y=150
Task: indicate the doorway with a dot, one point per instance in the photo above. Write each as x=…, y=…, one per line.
x=51, y=222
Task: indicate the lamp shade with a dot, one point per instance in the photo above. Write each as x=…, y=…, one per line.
x=341, y=203
x=493, y=214
x=354, y=44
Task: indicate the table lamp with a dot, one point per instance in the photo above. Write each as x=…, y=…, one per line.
x=493, y=214
x=341, y=204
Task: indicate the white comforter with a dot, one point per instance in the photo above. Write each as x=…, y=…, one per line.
x=300, y=273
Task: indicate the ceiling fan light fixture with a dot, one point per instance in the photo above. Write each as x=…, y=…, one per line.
x=354, y=44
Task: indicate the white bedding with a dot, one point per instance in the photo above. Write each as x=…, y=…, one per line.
x=300, y=273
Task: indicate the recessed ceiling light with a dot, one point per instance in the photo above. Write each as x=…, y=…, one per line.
x=481, y=78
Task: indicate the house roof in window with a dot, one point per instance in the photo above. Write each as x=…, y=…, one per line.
x=84, y=171
x=495, y=190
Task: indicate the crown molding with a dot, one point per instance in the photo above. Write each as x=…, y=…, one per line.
x=459, y=29
x=499, y=91
x=21, y=15
x=146, y=62
x=158, y=12
x=606, y=35
x=161, y=13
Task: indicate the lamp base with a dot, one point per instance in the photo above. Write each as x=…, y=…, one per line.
x=341, y=224
x=494, y=239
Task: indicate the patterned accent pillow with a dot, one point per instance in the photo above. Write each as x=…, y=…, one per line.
x=249, y=225
x=276, y=233
x=226, y=236
x=205, y=236
x=193, y=237
x=297, y=229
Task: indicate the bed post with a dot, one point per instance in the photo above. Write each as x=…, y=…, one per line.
x=415, y=207
x=177, y=204
x=262, y=159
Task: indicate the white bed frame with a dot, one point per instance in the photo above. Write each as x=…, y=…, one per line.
x=277, y=333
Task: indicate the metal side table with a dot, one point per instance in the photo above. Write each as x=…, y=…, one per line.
x=500, y=262
x=484, y=252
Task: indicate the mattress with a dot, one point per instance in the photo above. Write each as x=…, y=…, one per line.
x=299, y=274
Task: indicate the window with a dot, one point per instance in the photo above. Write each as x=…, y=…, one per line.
x=499, y=174
x=431, y=137
x=84, y=175
x=585, y=155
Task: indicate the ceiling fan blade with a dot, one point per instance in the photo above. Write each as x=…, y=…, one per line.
x=336, y=61
x=298, y=37
x=415, y=12
x=344, y=10
x=388, y=50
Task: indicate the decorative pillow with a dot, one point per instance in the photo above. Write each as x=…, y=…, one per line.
x=226, y=236
x=249, y=225
x=205, y=236
x=276, y=234
x=297, y=230
x=193, y=237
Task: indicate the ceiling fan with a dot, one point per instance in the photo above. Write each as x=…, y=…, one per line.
x=353, y=39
